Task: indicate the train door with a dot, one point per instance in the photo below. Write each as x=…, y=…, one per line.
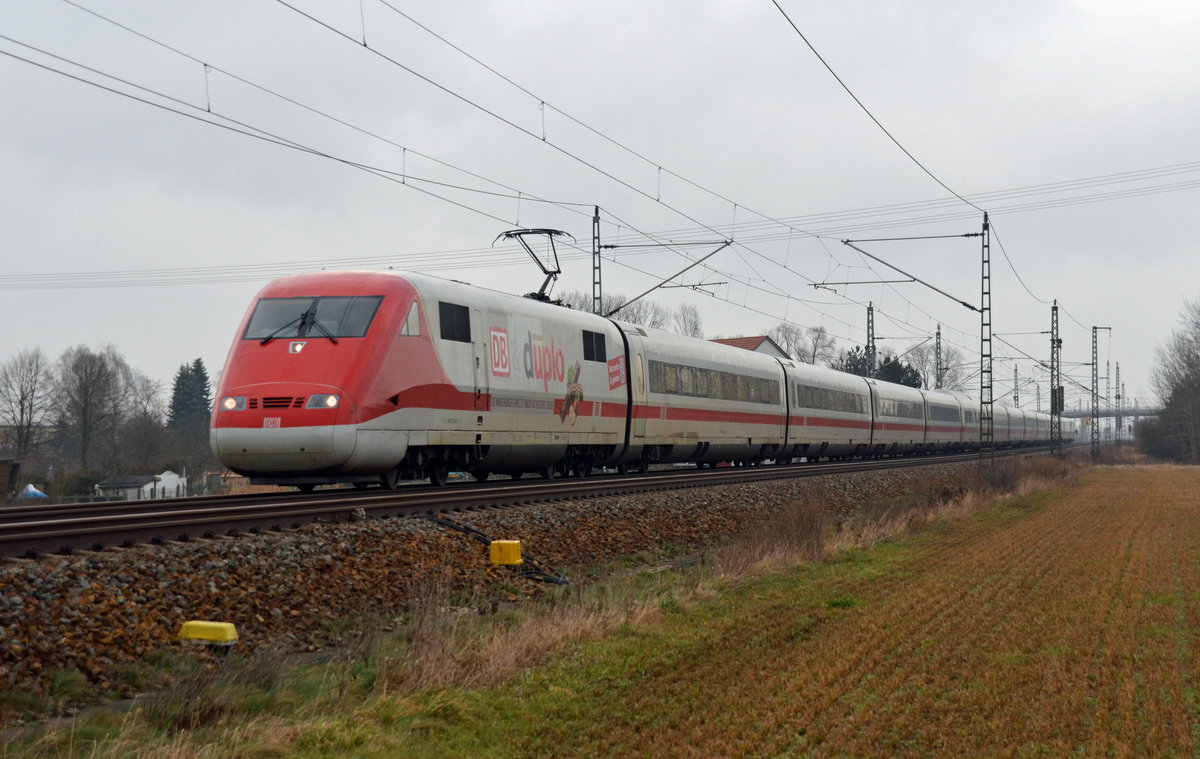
x=637, y=385
x=926, y=438
x=785, y=449
x=874, y=415
x=482, y=365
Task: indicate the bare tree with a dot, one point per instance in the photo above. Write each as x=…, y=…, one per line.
x=822, y=347
x=90, y=387
x=144, y=440
x=812, y=345
x=924, y=358
x=582, y=301
x=1175, y=434
x=687, y=321
x=791, y=338
x=647, y=313
x=26, y=384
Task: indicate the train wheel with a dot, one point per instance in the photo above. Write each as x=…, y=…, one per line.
x=583, y=469
x=438, y=472
x=391, y=479
x=480, y=475
x=547, y=472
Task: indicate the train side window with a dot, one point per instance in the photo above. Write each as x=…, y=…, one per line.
x=593, y=346
x=456, y=322
x=412, y=323
x=671, y=377
x=687, y=382
x=716, y=384
x=658, y=380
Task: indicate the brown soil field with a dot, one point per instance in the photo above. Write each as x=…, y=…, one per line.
x=1062, y=624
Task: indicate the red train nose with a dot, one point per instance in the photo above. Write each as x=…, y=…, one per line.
x=279, y=427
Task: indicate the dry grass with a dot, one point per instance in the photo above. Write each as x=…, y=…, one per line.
x=1064, y=624
x=259, y=706
x=461, y=648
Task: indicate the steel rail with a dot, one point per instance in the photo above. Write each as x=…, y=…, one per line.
x=31, y=531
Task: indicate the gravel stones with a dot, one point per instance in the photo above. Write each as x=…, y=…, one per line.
x=96, y=612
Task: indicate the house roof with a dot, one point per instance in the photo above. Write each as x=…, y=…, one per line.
x=750, y=343
x=127, y=481
x=745, y=343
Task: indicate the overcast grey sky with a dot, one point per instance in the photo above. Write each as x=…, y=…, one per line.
x=127, y=223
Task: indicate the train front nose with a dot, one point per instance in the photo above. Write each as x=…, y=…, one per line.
x=282, y=428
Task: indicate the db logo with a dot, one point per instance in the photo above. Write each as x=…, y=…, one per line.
x=271, y=423
x=499, y=349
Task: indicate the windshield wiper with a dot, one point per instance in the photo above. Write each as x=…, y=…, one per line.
x=321, y=328
x=302, y=318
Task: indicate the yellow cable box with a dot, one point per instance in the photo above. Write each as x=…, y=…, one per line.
x=506, y=552
x=210, y=633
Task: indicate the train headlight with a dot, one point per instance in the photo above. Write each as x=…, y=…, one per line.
x=234, y=403
x=322, y=401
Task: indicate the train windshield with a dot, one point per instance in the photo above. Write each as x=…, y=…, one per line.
x=323, y=316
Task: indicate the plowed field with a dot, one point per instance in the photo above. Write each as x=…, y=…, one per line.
x=1062, y=624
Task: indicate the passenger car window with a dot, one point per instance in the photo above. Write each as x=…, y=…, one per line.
x=456, y=322
x=593, y=346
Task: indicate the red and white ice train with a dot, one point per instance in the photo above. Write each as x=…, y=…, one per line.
x=377, y=377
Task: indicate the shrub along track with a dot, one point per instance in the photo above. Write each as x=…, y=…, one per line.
x=1059, y=624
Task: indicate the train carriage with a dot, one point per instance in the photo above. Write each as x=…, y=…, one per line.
x=945, y=427
x=899, y=425
x=423, y=375
x=970, y=417
x=1016, y=422
x=701, y=401
x=830, y=412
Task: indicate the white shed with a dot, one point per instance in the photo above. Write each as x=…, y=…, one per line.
x=139, y=487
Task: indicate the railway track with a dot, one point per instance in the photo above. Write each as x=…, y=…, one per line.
x=29, y=531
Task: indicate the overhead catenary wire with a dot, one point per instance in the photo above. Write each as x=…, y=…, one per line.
x=867, y=111
x=527, y=196
x=518, y=128
x=295, y=102
x=542, y=103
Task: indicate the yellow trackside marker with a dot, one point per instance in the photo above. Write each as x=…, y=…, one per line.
x=506, y=552
x=209, y=633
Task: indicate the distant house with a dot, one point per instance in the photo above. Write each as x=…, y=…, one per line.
x=758, y=344
x=139, y=487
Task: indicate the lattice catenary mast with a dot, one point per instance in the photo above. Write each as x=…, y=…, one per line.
x=986, y=429
x=1057, y=396
x=596, y=294
x=870, y=338
x=937, y=360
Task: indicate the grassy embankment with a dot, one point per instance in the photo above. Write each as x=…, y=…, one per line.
x=1059, y=621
